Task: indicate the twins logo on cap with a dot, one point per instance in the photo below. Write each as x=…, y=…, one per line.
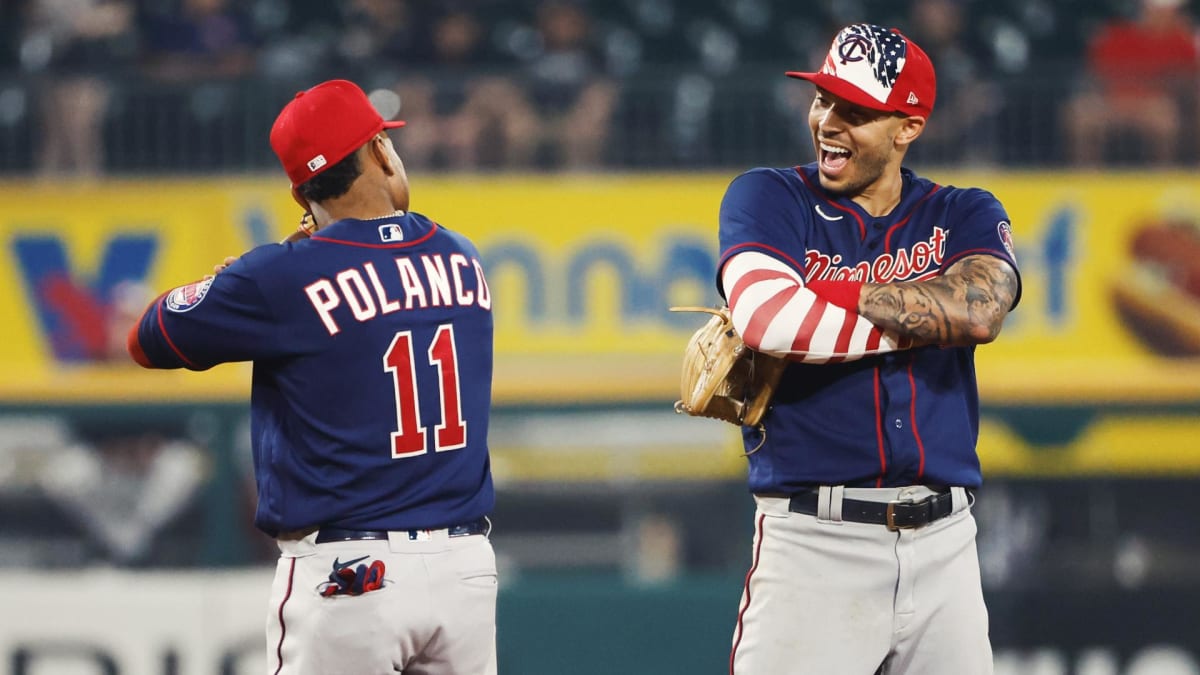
x=869, y=57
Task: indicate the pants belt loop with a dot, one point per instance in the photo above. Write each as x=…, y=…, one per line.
x=823, y=494
x=959, y=499
x=835, y=502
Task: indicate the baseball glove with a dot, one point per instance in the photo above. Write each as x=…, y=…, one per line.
x=722, y=377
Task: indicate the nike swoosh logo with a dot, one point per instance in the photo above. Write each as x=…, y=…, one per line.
x=341, y=566
x=822, y=213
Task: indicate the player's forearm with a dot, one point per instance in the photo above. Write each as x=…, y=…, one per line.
x=773, y=312
x=965, y=306
x=150, y=348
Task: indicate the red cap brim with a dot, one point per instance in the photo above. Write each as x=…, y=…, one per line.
x=843, y=89
x=394, y=124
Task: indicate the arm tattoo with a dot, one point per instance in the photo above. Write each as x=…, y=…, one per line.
x=966, y=305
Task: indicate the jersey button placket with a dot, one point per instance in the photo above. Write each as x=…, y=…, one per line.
x=896, y=402
x=875, y=236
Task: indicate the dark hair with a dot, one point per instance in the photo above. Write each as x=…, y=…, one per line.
x=332, y=182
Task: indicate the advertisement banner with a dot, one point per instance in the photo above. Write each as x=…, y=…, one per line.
x=583, y=269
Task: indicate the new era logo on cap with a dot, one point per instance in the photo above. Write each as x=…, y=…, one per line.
x=877, y=68
x=316, y=163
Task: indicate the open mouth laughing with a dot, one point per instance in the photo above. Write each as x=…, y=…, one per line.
x=833, y=158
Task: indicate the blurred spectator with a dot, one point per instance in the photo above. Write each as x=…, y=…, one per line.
x=72, y=48
x=967, y=99
x=462, y=115
x=10, y=36
x=197, y=40
x=538, y=83
x=554, y=111
x=1145, y=73
x=572, y=96
x=197, y=58
x=377, y=35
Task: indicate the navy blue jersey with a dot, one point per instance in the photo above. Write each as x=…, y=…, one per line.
x=372, y=351
x=901, y=418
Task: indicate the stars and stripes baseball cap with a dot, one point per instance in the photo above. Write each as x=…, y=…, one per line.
x=322, y=125
x=879, y=69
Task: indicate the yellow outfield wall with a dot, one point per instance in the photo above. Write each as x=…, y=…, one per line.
x=583, y=269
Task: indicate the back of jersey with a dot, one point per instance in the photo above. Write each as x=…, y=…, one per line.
x=372, y=350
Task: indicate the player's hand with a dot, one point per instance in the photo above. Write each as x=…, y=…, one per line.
x=304, y=230
x=225, y=263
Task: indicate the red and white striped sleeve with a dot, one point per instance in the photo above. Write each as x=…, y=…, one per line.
x=773, y=312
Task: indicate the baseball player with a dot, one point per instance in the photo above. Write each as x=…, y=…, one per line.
x=372, y=351
x=877, y=285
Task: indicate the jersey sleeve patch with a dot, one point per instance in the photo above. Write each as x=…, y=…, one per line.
x=1006, y=237
x=185, y=298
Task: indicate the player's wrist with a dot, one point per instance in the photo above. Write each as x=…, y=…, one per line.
x=844, y=294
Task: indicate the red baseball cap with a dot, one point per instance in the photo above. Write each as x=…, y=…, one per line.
x=879, y=69
x=321, y=126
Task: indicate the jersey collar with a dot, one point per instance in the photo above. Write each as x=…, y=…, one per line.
x=398, y=230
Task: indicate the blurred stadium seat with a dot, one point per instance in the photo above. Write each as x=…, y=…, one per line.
x=699, y=81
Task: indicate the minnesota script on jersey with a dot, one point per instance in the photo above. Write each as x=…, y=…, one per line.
x=908, y=417
x=372, y=351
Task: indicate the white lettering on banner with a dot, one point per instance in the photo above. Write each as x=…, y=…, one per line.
x=155, y=623
x=59, y=655
x=1159, y=659
x=1162, y=660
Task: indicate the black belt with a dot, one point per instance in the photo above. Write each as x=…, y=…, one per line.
x=327, y=535
x=896, y=515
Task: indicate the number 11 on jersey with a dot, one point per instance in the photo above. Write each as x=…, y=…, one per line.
x=409, y=439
